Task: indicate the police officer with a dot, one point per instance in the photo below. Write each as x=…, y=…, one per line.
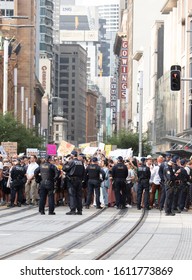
x=170, y=178
x=143, y=174
x=184, y=179
x=177, y=184
x=18, y=178
x=162, y=182
x=93, y=174
x=49, y=175
x=119, y=174
x=74, y=169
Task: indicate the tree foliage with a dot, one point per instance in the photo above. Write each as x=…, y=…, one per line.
x=126, y=139
x=13, y=131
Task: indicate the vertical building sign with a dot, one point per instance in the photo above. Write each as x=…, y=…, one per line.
x=124, y=66
x=113, y=98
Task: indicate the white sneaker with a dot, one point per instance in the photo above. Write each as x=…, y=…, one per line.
x=129, y=206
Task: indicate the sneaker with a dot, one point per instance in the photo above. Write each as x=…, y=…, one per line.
x=129, y=206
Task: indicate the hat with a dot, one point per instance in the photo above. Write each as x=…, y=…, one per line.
x=168, y=155
x=94, y=159
x=142, y=159
x=176, y=157
x=7, y=164
x=173, y=161
x=48, y=157
x=74, y=153
x=182, y=161
x=120, y=158
x=149, y=157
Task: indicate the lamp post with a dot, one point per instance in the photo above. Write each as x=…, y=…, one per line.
x=5, y=75
x=138, y=57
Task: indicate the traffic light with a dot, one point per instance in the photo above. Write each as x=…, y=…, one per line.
x=175, y=80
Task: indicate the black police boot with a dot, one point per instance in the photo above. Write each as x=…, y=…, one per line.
x=79, y=213
x=72, y=212
x=52, y=213
x=99, y=207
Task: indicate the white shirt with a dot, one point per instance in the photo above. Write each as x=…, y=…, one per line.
x=155, y=178
x=30, y=169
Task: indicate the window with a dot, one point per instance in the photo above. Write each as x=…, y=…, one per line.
x=57, y=127
x=56, y=137
x=64, y=60
x=9, y=13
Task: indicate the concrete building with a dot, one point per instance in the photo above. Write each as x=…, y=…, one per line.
x=70, y=86
x=91, y=116
x=21, y=34
x=173, y=109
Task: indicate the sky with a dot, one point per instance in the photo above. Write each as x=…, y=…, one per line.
x=95, y=2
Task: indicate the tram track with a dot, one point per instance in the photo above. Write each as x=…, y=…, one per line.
x=49, y=237
x=18, y=212
x=127, y=236
x=87, y=238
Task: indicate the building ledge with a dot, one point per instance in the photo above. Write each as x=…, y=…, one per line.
x=168, y=7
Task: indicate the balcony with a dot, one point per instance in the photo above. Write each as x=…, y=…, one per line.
x=168, y=7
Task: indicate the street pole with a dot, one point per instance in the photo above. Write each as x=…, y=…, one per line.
x=22, y=105
x=140, y=111
x=15, y=93
x=5, y=76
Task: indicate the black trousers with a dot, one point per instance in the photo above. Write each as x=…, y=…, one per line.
x=93, y=185
x=120, y=192
x=43, y=193
x=74, y=186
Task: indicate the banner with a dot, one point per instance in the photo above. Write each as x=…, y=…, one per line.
x=65, y=148
x=10, y=148
x=51, y=149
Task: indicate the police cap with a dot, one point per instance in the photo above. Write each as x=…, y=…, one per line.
x=74, y=153
x=142, y=159
x=94, y=159
x=120, y=158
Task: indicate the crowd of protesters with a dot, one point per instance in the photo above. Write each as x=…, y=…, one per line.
x=164, y=182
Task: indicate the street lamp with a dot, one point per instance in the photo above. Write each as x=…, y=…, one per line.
x=138, y=56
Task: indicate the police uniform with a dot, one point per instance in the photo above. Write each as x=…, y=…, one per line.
x=49, y=175
x=183, y=187
x=74, y=170
x=162, y=182
x=18, y=179
x=143, y=174
x=119, y=174
x=92, y=175
x=170, y=178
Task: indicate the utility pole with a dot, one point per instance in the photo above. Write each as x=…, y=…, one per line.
x=140, y=112
x=5, y=76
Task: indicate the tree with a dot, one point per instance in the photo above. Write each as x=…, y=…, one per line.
x=13, y=131
x=125, y=140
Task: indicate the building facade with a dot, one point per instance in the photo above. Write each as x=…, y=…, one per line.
x=70, y=87
x=21, y=34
